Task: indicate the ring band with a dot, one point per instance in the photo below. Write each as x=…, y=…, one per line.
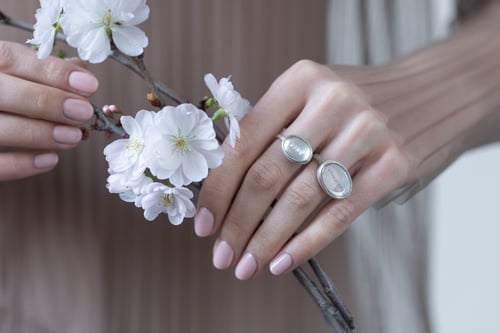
x=296, y=149
x=334, y=178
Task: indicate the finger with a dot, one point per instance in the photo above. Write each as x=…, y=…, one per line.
x=292, y=208
x=267, y=177
x=262, y=184
x=274, y=111
x=337, y=215
x=362, y=135
x=77, y=61
x=21, y=61
x=37, y=101
x=18, y=165
x=19, y=132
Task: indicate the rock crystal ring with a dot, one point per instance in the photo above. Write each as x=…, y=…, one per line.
x=296, y=149
x=334, y=178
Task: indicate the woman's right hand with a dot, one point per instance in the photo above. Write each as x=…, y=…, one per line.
x=43, y=104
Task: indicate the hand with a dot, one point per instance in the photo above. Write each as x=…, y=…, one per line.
x=335, y=117
x=42, y=105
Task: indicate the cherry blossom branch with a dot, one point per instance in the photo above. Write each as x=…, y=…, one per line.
x=332, y=310
x=135, y=64
x=105, y=124
x=332, y=293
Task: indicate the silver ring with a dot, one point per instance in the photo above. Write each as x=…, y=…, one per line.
x=296, y=149
x=334, y=178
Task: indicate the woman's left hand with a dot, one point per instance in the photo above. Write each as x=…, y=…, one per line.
x=311, y=101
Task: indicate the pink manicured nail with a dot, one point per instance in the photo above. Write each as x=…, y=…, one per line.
x=203, y=222
x=83, y=82
x=67, y=135
x=45, y=160
x=223, y=255
x=246, y=267
x=78, y=110
x=281, y=264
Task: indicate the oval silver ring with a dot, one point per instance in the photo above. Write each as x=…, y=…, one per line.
x=296, y=149
x=334, y=179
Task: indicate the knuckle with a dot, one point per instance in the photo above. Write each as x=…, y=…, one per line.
x=264, y=175
x=6, y=56
x=54, y=71
x=370, y=121
x=234, y=232
x=340, y=216
x=307, y=70
x=340, y=95
x=32, y=134
x=41, y=103
x=306, y=67
x=212, y=189
x=310, y=245
x=13, y=167
x=396, y=164
x=301, y=196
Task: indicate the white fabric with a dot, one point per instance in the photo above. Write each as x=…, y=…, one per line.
x=387, y=249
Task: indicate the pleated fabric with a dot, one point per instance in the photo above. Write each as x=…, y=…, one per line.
x=387, y=250
x=74, y=258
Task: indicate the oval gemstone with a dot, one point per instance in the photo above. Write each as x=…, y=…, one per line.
x=335, y=179
x=297, y=149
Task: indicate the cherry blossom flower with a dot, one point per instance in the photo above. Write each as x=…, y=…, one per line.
x=127, y=154
x=182, y=145
x=175, y=202
x=231, y=104
x=91, y=25
x=46, y=27
x=130, y=189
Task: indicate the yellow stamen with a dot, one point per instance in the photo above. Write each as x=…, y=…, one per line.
x=134, y=144
x=181, y=143
x=166, y=200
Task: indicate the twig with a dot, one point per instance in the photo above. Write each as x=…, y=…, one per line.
x=331, y=292
x=106, y=125
x=326, y=308
x=136, y=65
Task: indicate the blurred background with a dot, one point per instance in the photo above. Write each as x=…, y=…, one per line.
x=464, y=262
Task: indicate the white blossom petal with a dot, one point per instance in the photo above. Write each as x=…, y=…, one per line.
x=89, y=26
x=182, y=146
x=130, y=40
x=44, y=29
x=175, y=202
x=231, y=102
x=93, y=46
x=141, y=13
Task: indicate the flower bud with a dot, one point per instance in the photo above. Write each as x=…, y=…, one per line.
x=153, y=100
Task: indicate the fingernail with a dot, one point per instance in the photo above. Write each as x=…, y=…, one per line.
x=203, y=222
x=67, y=135
x=281, y=264
x=45, y=160
x=83, y=82
x=78, y=110
x=223, y=255
x=246, y=267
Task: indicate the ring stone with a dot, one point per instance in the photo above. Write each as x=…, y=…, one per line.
x=334, y=179
x=296, y=149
